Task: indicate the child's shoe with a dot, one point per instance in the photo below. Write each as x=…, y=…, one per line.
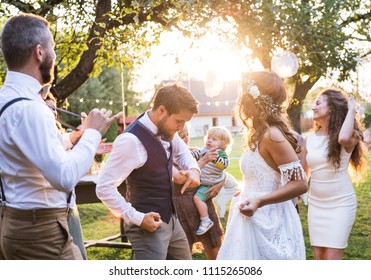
x=204, y=227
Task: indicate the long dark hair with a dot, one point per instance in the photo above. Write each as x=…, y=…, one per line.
x=261, y=112
x=337, y=102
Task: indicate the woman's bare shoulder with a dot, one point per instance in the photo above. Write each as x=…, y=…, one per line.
x=277, y=146
x=273, y=134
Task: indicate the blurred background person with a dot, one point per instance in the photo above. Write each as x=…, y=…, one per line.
x=187, y=211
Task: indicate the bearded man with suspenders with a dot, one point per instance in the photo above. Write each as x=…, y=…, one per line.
x=38, y=175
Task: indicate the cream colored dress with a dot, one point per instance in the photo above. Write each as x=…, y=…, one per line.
x=332, y=200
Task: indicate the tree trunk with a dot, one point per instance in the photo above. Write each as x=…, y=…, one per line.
x=294, y=111
x=86, y=64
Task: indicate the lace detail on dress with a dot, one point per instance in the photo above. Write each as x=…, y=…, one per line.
x=292, y=171
x=274, y=232
x=280, y=241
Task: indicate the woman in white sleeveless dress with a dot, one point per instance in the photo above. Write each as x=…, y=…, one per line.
x=263, y=222
x=328, y=150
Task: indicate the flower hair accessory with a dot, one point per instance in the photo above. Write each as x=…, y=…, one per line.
x=248, y=87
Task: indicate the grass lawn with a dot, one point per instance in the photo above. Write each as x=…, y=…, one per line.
x=97, y=222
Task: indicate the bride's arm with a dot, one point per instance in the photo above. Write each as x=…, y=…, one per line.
x=286, y=161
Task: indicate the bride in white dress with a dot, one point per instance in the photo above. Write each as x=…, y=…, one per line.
x=263, y=222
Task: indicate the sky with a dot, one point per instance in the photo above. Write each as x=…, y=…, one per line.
x=178, y=58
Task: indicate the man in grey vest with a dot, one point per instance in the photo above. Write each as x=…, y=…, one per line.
x=143, y=156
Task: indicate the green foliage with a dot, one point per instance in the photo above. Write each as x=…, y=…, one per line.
x=104, y=91
x=101, y=91
x=101, y=33
x=367, y=119
x=70, y=44
x=94, y=34
x=322, y=34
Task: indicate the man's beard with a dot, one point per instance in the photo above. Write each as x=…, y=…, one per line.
x=165, y=135
x=46, y=70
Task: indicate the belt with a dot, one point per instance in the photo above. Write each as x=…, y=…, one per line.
x=35, y=215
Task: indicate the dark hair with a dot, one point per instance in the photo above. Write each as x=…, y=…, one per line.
x=20, y=36
x=337, y=102
x=175, y=98
x=261, y=112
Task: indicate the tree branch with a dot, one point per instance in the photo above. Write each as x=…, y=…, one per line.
x=366, y=54
x=142, y=17
x=23, y=7
x=356, y=17
x=300, y=93
x=86, y=64
x=101, y=25
x=45, y=7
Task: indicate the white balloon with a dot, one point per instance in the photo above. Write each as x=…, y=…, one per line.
x=213, y=83
x=285, y=64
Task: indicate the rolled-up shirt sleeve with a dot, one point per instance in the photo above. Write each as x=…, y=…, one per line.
x=66, y=141
x=127, y=154
x=182, y=155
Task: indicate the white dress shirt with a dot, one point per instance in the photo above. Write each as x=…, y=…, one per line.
x=128, y=153
x=66, y=141
x=36, y=169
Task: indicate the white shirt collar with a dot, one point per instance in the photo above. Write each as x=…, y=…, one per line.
x=30, y=83
x=148, y=123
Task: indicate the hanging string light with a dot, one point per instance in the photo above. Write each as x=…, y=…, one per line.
x=137, y=104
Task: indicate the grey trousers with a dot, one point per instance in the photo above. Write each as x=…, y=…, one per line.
x=168, y=242
x=75, y=229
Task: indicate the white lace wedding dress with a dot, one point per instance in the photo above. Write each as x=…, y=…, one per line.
x=274, y=232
